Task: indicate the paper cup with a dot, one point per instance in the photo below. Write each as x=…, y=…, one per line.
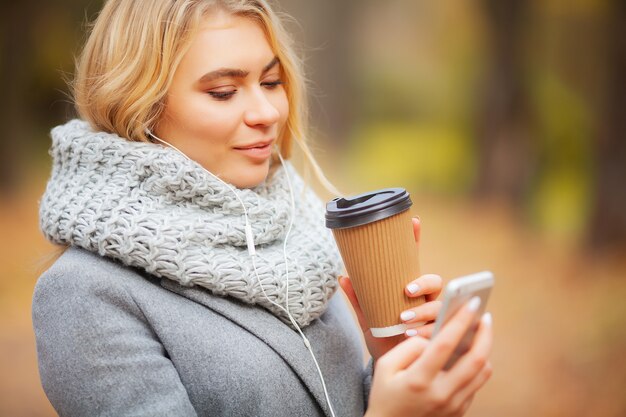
x=374, y=233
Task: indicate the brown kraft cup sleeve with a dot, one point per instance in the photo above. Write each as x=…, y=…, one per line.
x=381, y=259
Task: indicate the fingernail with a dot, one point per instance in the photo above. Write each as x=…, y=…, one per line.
x=487, y=319
x=411, y=332
x=413, y=288
x=474, y=304
x=417, y=218
x=407, y=315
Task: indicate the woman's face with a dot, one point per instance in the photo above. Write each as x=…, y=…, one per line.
x=226, y=105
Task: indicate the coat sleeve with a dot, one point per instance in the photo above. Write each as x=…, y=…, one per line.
x=98, y=355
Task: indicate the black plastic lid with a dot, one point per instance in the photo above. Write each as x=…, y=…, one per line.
x=366, y=208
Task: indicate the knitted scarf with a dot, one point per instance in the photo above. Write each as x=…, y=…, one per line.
x=149, y=207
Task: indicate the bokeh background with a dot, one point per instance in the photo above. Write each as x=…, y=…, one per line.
x=505, y=119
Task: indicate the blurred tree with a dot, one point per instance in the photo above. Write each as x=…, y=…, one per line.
x=326, y=30
x=608, y=222
x=504, y=148
x=15, y=45
x=37, y=41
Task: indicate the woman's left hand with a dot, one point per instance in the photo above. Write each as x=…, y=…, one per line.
x=428, y=285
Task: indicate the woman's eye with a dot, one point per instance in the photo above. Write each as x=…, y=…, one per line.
x=222, y=95
x=272, y=84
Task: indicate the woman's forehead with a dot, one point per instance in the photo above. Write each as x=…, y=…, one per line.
x=228, y=41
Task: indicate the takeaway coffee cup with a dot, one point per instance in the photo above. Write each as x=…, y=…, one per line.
x=374, y=233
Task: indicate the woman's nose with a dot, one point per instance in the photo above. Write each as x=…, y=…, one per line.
x=260, y=110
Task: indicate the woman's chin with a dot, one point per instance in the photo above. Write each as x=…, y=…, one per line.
x=249, y=177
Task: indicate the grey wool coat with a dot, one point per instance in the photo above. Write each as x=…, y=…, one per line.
x=115, y=341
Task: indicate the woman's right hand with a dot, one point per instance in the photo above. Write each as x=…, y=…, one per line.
x=409, y=380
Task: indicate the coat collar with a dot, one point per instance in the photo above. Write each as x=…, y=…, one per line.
x=285, y=341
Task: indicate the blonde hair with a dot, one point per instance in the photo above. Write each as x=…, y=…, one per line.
x=126, y=66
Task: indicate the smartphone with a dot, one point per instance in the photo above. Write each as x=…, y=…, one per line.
x=456, y=294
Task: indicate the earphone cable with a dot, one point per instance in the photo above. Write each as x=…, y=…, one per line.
x=252, y=252
x=306, y=341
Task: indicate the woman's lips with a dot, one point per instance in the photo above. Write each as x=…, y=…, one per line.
x=257, y=152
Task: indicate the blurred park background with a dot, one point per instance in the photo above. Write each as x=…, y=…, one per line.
x=505, y=119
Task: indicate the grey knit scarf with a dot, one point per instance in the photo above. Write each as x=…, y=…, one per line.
x=148, y=207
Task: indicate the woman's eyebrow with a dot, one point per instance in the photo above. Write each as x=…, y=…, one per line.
x=271, y=65
x=234, y=73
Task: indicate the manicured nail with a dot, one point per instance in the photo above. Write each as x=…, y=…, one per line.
x=487, y=319
x=411, y=332
x=413, y=288
x=474, y=304
x=407, y=315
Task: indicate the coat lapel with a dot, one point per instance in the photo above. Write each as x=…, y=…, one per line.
x=285, y=341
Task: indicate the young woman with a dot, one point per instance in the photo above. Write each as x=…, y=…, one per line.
x=199, y=278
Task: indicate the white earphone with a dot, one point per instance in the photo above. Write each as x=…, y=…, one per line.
x=252, y=252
